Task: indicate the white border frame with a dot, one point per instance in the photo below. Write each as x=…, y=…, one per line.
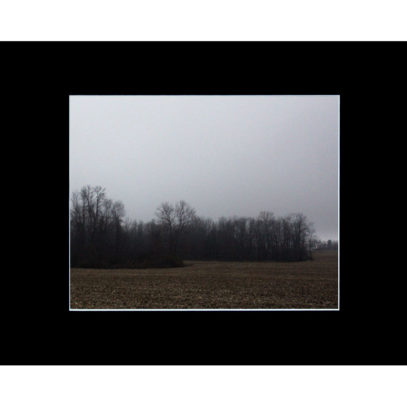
x=205, y=309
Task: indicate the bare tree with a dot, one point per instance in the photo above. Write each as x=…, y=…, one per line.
x=96, y=227
x=184, y=216
x=175, y=220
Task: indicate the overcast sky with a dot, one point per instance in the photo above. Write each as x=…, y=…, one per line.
x=224, y=155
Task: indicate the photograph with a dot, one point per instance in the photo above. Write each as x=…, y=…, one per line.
x=201, y=204
x=204, y=202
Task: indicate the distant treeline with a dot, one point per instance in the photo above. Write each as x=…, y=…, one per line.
x=325, y=245
x=101, y=237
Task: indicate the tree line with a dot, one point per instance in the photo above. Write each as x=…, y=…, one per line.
x=100, y=236
x=326, y=245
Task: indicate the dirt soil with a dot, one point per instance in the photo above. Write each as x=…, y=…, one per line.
x=211, y=284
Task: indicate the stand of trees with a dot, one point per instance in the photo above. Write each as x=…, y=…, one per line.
x=101, y=237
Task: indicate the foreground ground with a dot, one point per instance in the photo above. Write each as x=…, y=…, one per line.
x=210, y=284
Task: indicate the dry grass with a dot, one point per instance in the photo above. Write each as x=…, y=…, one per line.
x=210, y=284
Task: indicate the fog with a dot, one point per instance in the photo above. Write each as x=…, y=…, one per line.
x=224, y=155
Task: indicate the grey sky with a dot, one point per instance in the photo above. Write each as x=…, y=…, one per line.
x=224, y=155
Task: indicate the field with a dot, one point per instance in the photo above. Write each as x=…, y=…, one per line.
x=211, y=284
